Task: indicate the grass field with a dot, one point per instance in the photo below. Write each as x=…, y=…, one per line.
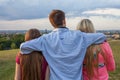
x=115, y=45
x=7, y=62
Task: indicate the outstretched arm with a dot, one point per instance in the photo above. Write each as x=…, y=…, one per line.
x=94, y=38
x=32, y=45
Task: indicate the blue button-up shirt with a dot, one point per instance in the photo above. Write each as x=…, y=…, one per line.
x=64, y=51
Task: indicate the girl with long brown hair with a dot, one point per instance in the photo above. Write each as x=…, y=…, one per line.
x=98, y=59
x=32, y=66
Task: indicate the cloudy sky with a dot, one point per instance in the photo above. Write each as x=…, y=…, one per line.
x=26, y=14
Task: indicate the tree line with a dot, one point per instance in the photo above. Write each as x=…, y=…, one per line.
x=11, y=41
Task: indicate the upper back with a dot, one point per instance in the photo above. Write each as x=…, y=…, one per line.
x=65, y=49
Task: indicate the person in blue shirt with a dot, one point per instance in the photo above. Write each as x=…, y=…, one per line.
x=63, y=49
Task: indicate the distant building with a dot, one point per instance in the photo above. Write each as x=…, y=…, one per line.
x=116, y=36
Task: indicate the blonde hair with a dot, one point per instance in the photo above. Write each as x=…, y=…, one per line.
x=90, y=63
x=86, y=26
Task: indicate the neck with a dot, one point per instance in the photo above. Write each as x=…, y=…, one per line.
x=60, y=26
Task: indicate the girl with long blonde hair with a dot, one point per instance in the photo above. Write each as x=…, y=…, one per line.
x=98, y=59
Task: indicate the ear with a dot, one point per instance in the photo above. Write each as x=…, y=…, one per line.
x=64, y=22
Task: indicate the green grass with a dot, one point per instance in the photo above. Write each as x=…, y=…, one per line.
x=115, y=45
x=7, y=62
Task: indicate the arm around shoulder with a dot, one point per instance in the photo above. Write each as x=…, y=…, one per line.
x=32, y=45
x=94, y=38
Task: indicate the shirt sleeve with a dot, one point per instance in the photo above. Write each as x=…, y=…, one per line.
x=94, y=38
x=110, y=65
x=32, y=45
x=17, y=59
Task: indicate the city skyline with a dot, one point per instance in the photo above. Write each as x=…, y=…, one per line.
x=26, y=14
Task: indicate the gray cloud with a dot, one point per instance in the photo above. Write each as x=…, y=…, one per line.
x=33, y=9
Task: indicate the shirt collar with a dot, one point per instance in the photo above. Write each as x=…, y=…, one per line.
x=60, y=28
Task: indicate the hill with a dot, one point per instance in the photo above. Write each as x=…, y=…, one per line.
x=7, y=62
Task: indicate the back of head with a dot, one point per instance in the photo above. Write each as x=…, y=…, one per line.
x=86, y=26
x=32, y=34
x=31, y=64
x=56, y=18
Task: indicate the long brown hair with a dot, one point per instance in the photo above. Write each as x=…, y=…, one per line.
x=31, y=64
x=91, y=60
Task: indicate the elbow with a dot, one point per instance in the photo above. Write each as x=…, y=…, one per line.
x=25, y=49
x=111, y=68
x=104, y=37
x=21, y=48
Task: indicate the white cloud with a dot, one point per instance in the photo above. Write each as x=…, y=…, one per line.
x=104, y=11
x=3, y=1
x=105, y=23
x=42, y=24
x=100, y=23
